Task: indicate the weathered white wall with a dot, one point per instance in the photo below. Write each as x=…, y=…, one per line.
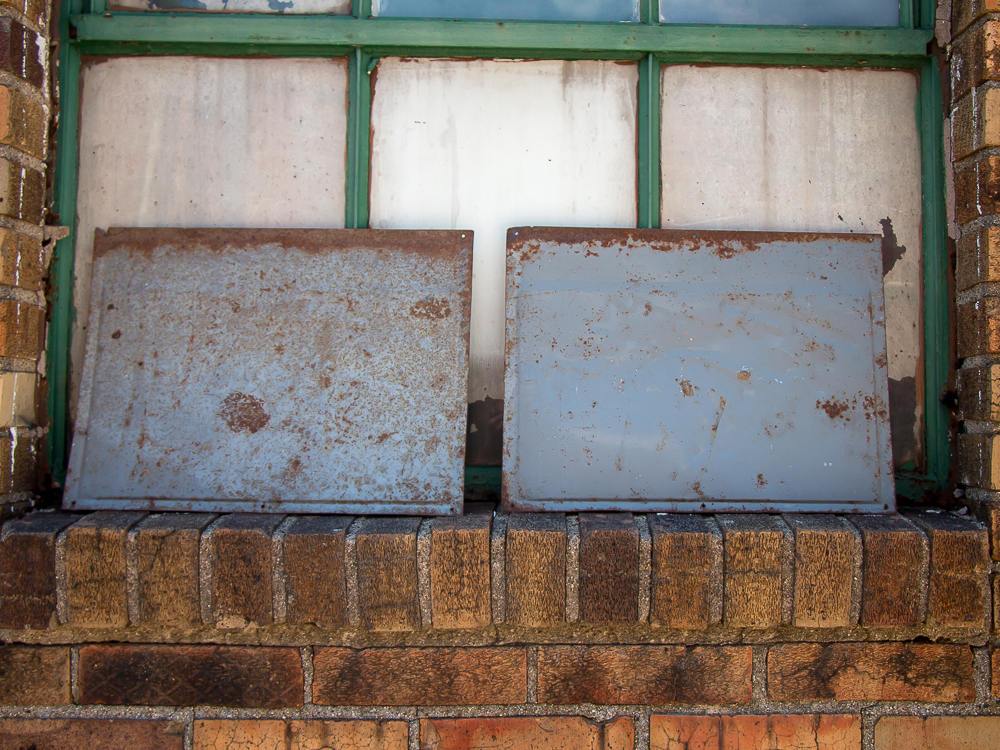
x=189, y=142
x=487, y=145
x=808, y=150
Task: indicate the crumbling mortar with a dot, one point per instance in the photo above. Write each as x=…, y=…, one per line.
x=21, y=158
x=642, y=729
x=572, y=569
x=531, y=691
x=424, y=573
x=308, y=673
x=62, y=605
x=279, y=589
x=205, y=571
x=35, y=231
x=351, y=573
x=982, y=674
x=413, y=735
x=978, y=293
x=14, y=81
x=758, y=677
x=981, y=427
x=25, y=21
x=498, y=564
x=645, y=567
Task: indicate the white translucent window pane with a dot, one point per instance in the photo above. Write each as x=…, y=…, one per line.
x=526, y=10
x=487, y=145
x=808, y=150
x=782, y=12
x=333, y=7
x=191, y=142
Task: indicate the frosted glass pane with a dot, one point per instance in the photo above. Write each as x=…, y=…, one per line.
x=332, y=7
x=526, y=10
x=782, y=12
x=207, y=142
x=487, y=145
x=784, y=149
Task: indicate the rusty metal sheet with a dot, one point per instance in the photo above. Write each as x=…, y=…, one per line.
x=275, y=370
x=677, y=370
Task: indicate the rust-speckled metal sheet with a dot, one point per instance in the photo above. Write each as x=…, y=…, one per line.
x=701, y=371
x=275, y=370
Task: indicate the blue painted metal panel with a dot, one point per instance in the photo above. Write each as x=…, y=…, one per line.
x=275, y=370
x=661, y=370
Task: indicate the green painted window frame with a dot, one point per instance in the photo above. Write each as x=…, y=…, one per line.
x=87, y=28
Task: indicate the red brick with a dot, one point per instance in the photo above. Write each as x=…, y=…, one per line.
x=242, y=569
x=687, y=578
x=19, y=460
x=938, y=733
x=93, y=734
x=315, y=570
x=237, y=676
x=388, y=589
x=959, y=594
x=96, y=587
x=895, y=571
x=609, y=568
x=34, y=675
x=23, y=122
x=870, y=672
x=816, y=731
x=758, y=565
x=656, y=675
x=28, y=570
x=165, y=548
x=460, y=572
x=527, y=733
x=420, y=676
x=22, y=330
x=21, y=50
x=536, y=569
x=262, y=734
x=995, y=669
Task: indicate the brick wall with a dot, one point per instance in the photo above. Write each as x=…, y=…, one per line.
x=24, y=125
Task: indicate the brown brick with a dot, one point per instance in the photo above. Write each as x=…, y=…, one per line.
x=975, y=122
x=23, y=122
x=818, y=732
x=18, y=393
x=979, y=327
x=989, y=512
x=977, y=189
x=22, y=192
x=19, y=460
x=995, y=670
x=536, y=569
x=21, y=50
x=895, y=571
x=975, y=58
x=22, y=260
x=758, y=565
x=938, y=733
x=959, y=592
x=979, y=460
x=965, y=12
x=28, y=570
x=96, y=588
x=827, y=591
x=978, y=256
x=420, y=676
x=34, y=675
x=388, y=589
x=165, y=548
x=242, y=569
x=460, y=571
x=33, y=10
x=236, y=676
x=315, y=570
x=529, y=733
x=94, y=734
x=979, y=393
x=262, y=734
x=609, y=568
x=687, y=571
x=22, y=330
x=870, y=672
x=657, y=675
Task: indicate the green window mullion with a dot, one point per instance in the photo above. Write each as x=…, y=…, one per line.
x=648, y=162
x=361, y=8
x=649, y=11
x=908, y=14
x=359, y=116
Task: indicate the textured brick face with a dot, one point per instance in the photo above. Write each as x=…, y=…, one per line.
x=27, y=570
x=20, y=51
x=657, y=675
x=256, y=734
x=817, y=732
x=534, y=733
x=90, y=734
x=609, y=568
x=870, y=671
x=387, y=573
x=420, y=676
x=938, y=733
x=460, y=572
x=166, y=553
x=34, y=675
x=247, y=677
x=22, y=326
x=686, y=571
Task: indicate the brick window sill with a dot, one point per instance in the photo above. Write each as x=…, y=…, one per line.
x=492, y=578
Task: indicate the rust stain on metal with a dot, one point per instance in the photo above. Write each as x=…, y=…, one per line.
x=244, y=413
x=835, y=408
x=761, y=481
x=431, y=309
x=686, y=388
x=743, y=375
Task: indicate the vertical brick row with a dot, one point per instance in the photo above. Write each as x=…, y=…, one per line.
x=609, y=568
x=759, y=565
x=895, y=570
x=687, y=579
x=241, y=567
x=315, y=570
x=388, y=583
x=460, y=572
x=827, y=590
x=535, y=555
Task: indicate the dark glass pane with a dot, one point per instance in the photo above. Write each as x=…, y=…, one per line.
x=525, y=10
x=782, y=12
